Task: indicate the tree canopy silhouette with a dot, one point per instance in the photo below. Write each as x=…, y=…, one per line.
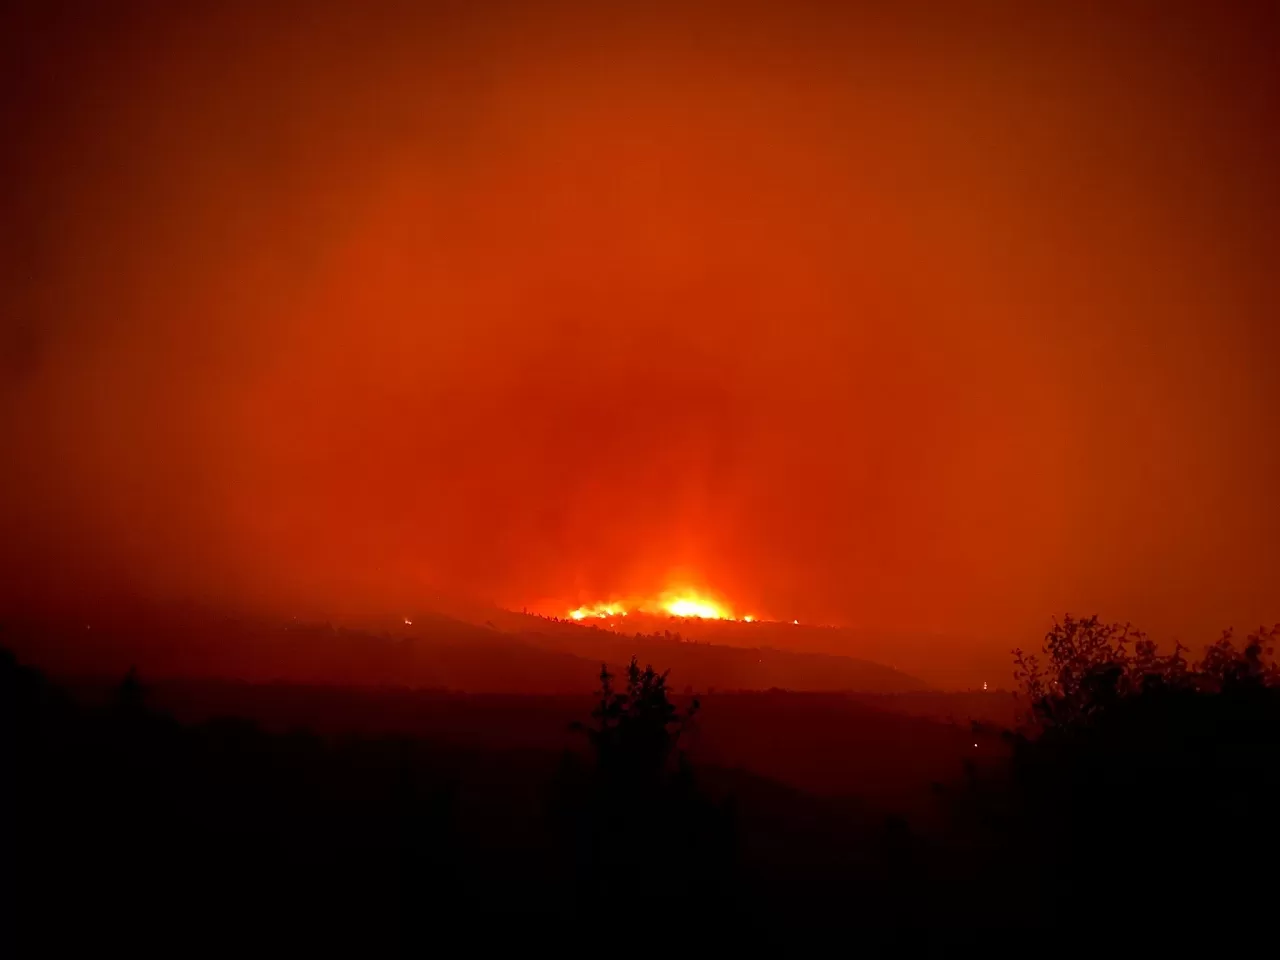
x=1090, y=667
x=635, y=731
x=1138, y=767
x=643, y=829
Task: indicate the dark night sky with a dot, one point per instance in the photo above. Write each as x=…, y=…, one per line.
x=934, y=321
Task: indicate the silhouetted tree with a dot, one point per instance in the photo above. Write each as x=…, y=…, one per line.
x=1092, y=666
x=636, y=730
x=642, y=828
x=1138, y=767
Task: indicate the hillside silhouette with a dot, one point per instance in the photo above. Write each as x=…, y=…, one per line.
x=430, y=651
x=387, y=831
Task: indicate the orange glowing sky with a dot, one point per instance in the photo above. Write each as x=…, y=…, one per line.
x=914, y=318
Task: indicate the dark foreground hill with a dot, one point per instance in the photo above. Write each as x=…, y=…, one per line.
x=889, y=757
x=188, y=836
x=706, y=666
x=412, y=822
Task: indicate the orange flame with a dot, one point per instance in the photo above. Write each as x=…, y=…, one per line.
x=685, y=603
x=675, y=603
x=600, y=611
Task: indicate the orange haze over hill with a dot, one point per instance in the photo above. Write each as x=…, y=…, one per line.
x=915, y=317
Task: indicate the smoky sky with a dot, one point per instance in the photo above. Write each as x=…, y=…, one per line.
x=934, y=320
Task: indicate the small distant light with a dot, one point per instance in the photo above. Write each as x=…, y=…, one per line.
x=748, y=619
x=408, y=621
x=975, y=746
x=984, y=684
x=797, y=622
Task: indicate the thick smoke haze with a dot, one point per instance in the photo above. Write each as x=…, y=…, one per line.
x=930, y=321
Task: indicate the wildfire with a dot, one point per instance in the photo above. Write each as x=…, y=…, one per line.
x=695, y=607
x=674, y=603
x=600, y=611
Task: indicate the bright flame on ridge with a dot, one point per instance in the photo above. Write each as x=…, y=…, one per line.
x=601, y=611
x=674, y=603
x=693, y=607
